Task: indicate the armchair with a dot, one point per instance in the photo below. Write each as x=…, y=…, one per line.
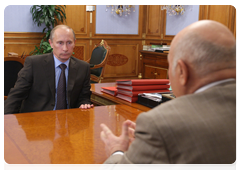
x=98, y=61
x=12, y=65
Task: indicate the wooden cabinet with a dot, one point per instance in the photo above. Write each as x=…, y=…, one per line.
x=154, y=65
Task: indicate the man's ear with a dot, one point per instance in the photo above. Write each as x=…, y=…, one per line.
x=50, y=42
x=182, y=70
x=75, y=42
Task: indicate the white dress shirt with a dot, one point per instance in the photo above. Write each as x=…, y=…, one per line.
x=213, y=84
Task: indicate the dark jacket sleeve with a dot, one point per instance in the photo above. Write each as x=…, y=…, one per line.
x=20, y=90
x=84, y=96
x=79, y=83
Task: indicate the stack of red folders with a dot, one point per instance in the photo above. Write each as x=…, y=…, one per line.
x=129, y=89
x=110, y=90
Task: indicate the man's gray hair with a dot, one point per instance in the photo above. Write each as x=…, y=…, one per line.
x=61, y=26
x=205, y=56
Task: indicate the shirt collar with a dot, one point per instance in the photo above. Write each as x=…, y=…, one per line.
x=57, y=62
x=213, y=84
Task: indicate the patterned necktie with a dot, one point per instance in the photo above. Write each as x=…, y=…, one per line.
x=61, y=89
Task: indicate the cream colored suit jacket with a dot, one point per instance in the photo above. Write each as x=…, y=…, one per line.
x=193, y=129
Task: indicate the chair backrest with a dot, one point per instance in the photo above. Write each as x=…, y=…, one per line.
x=98, y=55
x=12, y=65
x=98, y=60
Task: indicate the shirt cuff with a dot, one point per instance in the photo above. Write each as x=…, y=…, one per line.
x=118, y=152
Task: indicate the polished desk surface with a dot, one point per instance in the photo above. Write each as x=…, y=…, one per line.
x=107, y=99
x=69, y=136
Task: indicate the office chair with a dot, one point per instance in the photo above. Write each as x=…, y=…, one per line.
x=12, y=65
x=98, y=61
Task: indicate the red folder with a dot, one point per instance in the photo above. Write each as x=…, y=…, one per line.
x=139, y=82
x=127, y=98
x=110, y=90
x=135, y=93
x=141, y=88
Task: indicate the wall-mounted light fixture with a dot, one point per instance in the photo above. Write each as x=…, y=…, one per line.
x=175, y=9
x=121, y=9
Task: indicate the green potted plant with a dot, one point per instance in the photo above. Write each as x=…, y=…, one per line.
x=50, y=15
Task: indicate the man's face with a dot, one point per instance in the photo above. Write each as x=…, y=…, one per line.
x=62, y=43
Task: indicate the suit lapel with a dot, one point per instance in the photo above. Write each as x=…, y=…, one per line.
x=49, y=70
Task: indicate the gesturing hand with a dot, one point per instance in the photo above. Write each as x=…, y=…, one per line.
x=114, y=143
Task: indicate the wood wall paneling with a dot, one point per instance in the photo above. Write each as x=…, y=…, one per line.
x=124, y=48
x=20, y=49
x=82, y=44
x=122, y=63
x=20, y=42
x=153, y=20
x=219, y=13
x=236, y=24
x=232, y=20
x=203, y=11
x=77, y=19
x=225, y=14
x=156, y=26
x=167, y=39
x=79, y=51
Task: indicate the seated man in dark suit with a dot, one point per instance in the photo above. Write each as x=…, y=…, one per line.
x=37, y=87
x=199, y=125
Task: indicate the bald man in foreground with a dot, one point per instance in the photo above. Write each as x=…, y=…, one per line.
x=199, y=126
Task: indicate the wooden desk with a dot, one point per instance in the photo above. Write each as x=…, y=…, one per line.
x=62, y=137
x=101, y=98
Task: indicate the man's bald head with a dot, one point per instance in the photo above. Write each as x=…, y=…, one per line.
x=61, y=27
x=200, y=54
x=212, y=31
x=205, y=45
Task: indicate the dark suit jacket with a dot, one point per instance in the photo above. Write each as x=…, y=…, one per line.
x=193, y=129
x=35, y=86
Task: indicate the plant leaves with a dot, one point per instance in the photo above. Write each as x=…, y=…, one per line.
x=48, y=15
